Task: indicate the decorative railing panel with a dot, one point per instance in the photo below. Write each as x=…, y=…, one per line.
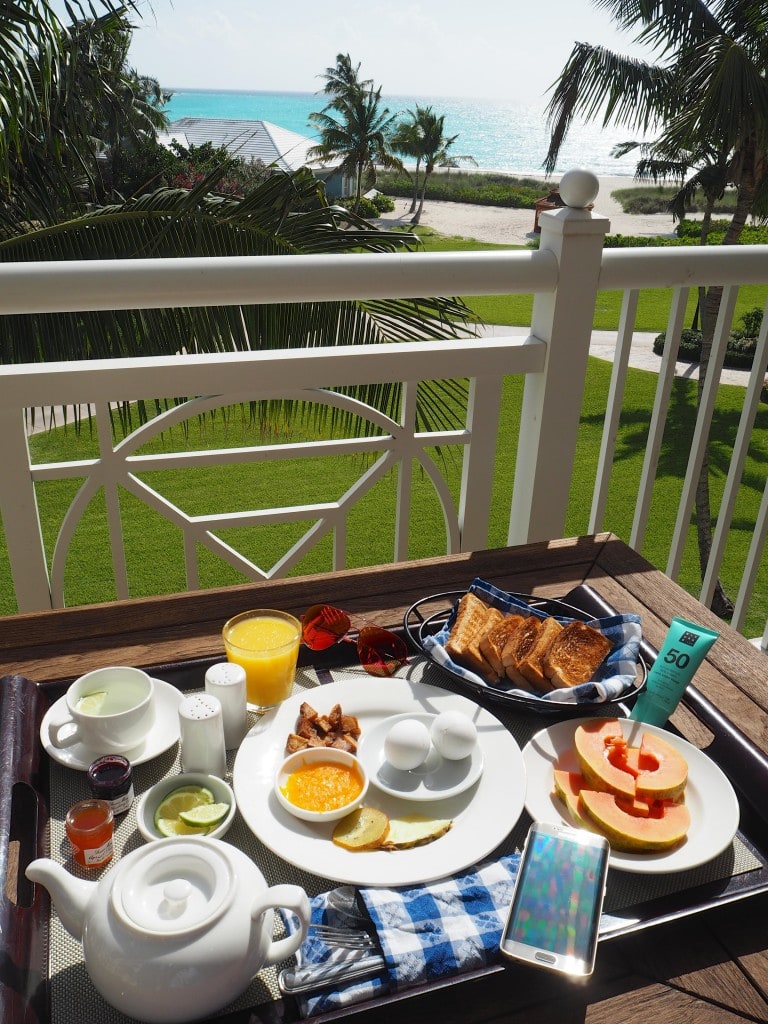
x=564, y=276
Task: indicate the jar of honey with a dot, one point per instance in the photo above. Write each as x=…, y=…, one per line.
x=90, y=826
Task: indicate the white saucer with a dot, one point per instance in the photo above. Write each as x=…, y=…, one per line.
x=435, y=779
x=163, y=733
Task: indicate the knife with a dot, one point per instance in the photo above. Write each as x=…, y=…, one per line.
x=319, y=976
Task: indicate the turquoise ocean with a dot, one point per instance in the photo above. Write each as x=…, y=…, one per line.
x=500, y=136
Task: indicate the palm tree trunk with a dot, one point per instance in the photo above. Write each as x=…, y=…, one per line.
x=706, y=222
x=417, y=218
x=721, y=603
x=415, y=198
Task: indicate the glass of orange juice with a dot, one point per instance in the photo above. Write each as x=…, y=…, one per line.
x=266, y=643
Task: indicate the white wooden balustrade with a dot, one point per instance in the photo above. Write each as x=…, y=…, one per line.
x=564, y=275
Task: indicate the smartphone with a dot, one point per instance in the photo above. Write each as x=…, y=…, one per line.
x=558, y=898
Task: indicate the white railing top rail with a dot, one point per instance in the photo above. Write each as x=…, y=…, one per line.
x=57, y=287
x=196, y=281
x=683, y=266
x=267, y=373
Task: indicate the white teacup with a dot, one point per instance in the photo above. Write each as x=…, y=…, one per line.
x=110, y=710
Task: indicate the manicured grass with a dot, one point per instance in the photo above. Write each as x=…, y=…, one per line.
x=515, y=310
x=154, y=548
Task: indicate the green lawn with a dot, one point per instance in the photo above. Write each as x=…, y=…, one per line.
x=652, y=308
x=154, y=548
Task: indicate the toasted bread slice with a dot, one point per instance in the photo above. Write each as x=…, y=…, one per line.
x=517, y=647
x=363, y=829
x=493, y=643
x=531, y=666
x=474, y=619
x=575, y=654
x=414, y=830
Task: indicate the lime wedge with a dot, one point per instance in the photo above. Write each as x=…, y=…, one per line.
x=176, y=827
x=167, y=818
x=92, y=703
x=206, y=815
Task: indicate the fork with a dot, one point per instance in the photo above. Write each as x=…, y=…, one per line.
x=344, y=938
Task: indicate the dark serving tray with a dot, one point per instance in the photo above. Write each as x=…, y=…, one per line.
x=25, y=996
x=428, y=616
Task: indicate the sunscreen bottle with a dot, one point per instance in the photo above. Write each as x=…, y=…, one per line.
x=685, y=647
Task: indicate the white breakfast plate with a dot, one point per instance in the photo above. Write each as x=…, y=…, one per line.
x=436, y=779
x=163, y=732
x=482, y=815
x=709, y=796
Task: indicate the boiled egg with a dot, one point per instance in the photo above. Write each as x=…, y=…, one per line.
x=454, y=735
x=407, y=744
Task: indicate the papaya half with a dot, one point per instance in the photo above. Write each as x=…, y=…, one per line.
x=632, y=795
x=630, y=832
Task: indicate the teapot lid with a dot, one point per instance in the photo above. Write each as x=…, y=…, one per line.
x=174, y=886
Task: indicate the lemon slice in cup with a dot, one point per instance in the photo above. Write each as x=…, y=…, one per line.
x=92, y=703
x=167, y=819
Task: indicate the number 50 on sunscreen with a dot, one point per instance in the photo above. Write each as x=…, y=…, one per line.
x=685, y=647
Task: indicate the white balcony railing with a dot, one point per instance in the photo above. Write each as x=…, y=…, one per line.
x=564, y=276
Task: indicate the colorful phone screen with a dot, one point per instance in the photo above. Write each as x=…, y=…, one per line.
x=558, y=897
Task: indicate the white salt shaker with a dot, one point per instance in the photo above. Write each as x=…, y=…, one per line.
x=226, y=680
x=201, y=734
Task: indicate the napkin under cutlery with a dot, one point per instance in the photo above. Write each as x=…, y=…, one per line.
x=425, y=932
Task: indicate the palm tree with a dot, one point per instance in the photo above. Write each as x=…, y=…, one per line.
x=406, y=139
x=342, y=80
x=354, y=128
x=434, y=148
x=57, y=90
x=708, y=90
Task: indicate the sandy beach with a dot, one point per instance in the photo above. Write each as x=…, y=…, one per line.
x=515, y=227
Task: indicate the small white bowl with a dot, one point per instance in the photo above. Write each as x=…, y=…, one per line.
x=314, y=755
x=150, y=801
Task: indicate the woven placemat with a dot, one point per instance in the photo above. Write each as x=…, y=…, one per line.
x=71, y=988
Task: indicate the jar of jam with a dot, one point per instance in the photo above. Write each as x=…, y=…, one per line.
x=90, y=826
x=111, y=778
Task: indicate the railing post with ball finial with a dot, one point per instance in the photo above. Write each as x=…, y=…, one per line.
x=552, y=399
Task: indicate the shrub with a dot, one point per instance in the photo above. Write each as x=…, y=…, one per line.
x=656, y=199
x=468, y=187
x=752, y=321
x=751, y=234
x=739, y=352
x=383, y=203
x=366, y=207
x=640, y=241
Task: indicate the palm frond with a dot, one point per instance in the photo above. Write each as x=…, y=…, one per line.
x=283, y=216
x=597, y=84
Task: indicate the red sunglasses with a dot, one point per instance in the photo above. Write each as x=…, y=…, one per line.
x=380, y=651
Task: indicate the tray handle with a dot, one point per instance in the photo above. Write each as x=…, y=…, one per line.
x=24, y=908
x=745, y=764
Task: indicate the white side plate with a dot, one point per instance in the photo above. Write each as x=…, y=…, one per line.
x=709, y=796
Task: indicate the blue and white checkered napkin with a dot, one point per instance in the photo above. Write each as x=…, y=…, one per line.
x=617, y=674
x=426, y=932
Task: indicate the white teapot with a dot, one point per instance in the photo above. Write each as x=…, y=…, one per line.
x=177, y=929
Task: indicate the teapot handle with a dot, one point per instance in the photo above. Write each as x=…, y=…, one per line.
x=291, y=897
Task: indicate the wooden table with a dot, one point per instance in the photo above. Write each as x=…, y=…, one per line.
x=711, y=967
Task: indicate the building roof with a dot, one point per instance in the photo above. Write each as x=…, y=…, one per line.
x=258, y=140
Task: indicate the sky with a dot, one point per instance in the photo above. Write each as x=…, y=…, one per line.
x=507, y=49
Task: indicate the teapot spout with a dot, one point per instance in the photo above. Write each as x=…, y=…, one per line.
x=70, y=895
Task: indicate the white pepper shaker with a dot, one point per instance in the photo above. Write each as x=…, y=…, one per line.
x=226, y=680
x=201, y=729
